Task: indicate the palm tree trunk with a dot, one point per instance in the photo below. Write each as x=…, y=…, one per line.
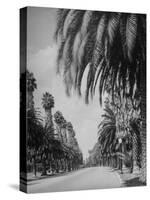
x=57, y=166
x=44, y=168
x=44, y=165
x=132, y=163
x=34, y=165
x=66, y=164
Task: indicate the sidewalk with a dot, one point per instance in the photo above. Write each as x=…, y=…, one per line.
x=32, y=177
x=130, y=179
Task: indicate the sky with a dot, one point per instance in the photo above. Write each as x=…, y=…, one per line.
x=41, y=60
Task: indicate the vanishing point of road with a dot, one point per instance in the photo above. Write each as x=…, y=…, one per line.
x=83, y=179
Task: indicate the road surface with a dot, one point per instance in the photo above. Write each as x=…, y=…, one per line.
x=83, y=179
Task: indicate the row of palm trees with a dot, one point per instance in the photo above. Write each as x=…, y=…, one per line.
x=111, y=46
x=119, y=143
x=50, y=143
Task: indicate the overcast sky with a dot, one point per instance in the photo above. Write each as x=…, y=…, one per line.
x=41, y=60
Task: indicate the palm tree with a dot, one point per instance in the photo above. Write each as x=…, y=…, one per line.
x=34, y=121
x=35, y=133
x=64, y=131
x=60, y=126
x=107, y=131
x=47, y=101
x=48, y=104
x=31, y=86
x=70, y=134
x=76, y=156
x=128, y=150
x=105, y=43
x=62, y=136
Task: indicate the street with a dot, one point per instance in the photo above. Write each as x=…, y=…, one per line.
x=83, y=179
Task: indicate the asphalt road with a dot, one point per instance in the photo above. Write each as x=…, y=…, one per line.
x=83, y=179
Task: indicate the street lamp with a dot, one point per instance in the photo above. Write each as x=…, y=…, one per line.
x=120, y=140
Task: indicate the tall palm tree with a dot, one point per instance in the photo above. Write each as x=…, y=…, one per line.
x=47, y=101
x=107, y=128
x=129, y=150
x=34, y=121
x=31, y=86
x=60, y=126
x=48, y=104
x=62, y=129
x=35, y=132
x=70, y=134
x=104, y=43
x=107, y=132
x=76, y=156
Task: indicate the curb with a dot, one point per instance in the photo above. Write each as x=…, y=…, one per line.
x=120, y=179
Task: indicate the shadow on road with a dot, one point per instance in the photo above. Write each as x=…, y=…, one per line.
x=133, y=182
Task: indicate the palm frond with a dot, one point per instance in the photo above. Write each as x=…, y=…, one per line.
x=112, y=28
x=61, y=16
x=60, y=54
x=86, y=20
x=123, y=22
x=98, y=53
x=73, y=22
x=112, y=45
x=131, y=35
